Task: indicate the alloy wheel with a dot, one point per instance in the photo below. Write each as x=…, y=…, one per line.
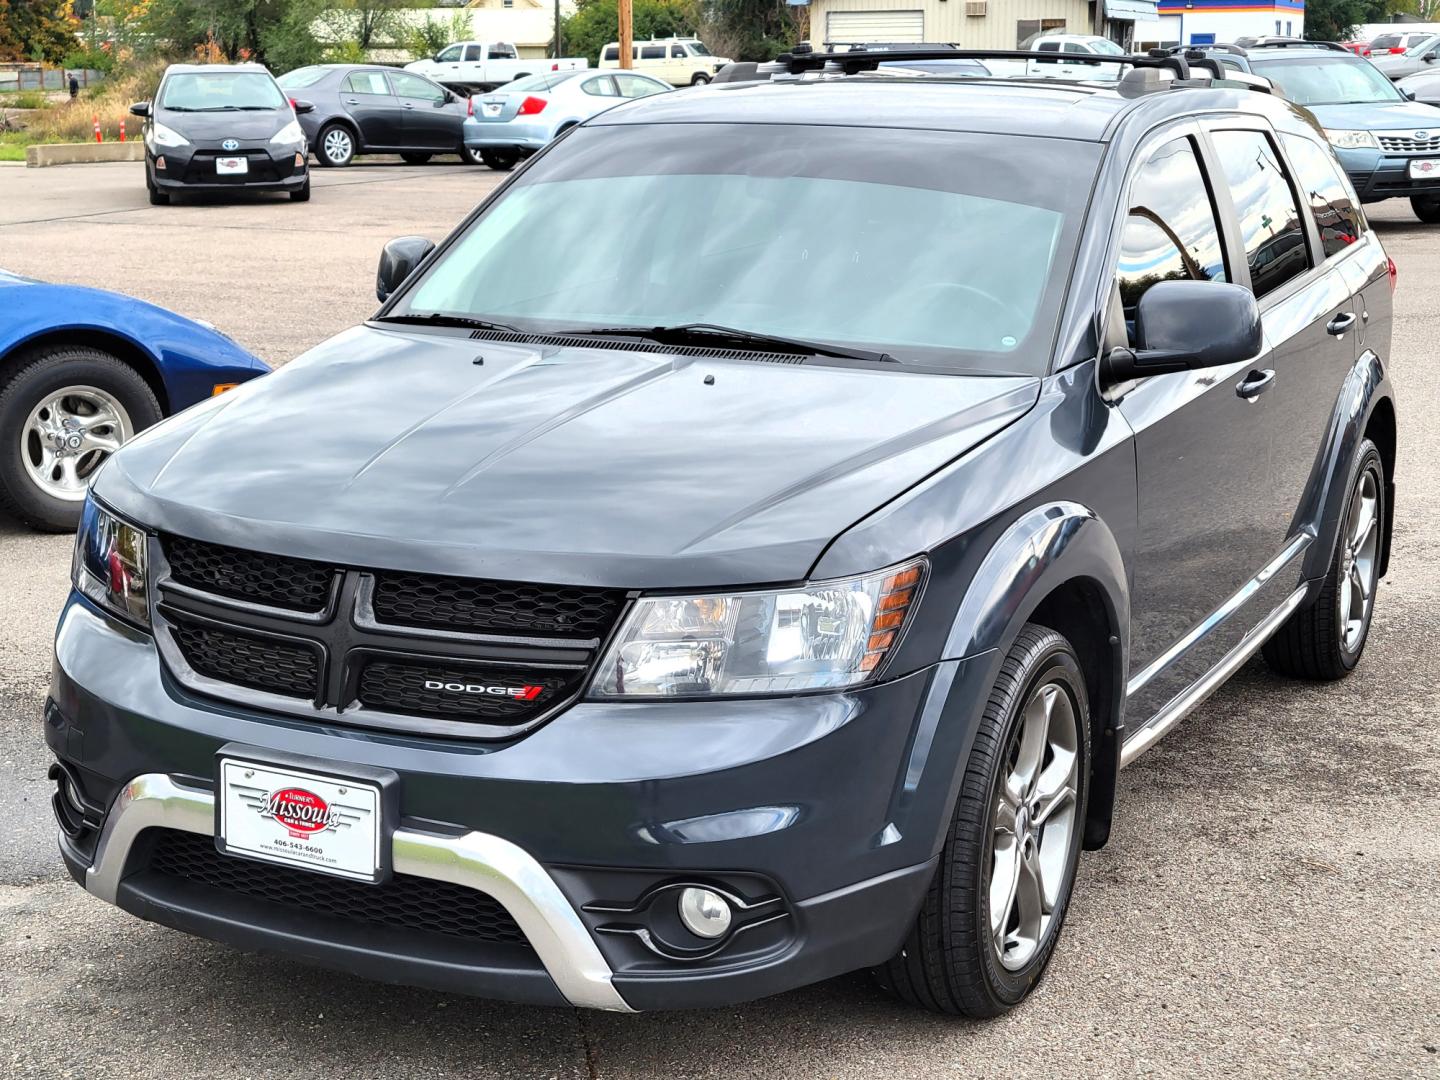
x=1034, y=825
x=1359, y=560
x=67, y=437
x=338, y=146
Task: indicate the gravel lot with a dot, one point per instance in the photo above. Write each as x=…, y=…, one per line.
x=1267, y=903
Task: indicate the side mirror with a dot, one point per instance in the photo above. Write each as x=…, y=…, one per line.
x=302, y=107
x=398, y=261
x=1185, y=325
x=140, y=108
x=1409, y=94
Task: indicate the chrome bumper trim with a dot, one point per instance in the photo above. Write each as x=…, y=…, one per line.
x=1183, y=703
x=475, y=860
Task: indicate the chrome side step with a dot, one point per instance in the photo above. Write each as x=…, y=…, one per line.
x=1183, y=703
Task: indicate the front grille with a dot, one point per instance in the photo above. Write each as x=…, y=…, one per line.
x=335, y=643
x=446, y=603
x=1409, y=145
x=471, y=693
x=273, y=580
x=261, y=663
x=260, y=168
x=412, y=903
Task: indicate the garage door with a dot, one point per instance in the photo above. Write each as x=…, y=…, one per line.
x=857, y=26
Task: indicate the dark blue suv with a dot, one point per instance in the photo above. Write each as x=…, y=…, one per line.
x=747, y=549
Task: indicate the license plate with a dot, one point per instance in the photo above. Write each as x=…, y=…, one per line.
x=288, y=816
x=1425, y=169
x=491, y=110
x=232, y=166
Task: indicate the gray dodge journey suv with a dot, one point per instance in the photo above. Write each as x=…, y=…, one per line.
x=747, y=549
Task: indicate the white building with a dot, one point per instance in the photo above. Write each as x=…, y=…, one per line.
x=977, y=24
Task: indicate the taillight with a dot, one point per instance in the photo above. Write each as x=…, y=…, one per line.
x=1390, y=269
x=554, y=67
x=1397, y=52
x=530, y=106
x=469, y=106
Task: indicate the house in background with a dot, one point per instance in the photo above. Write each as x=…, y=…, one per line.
x=976, y=24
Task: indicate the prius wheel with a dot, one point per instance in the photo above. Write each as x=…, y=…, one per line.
x=1427, y=208
x=337, y=146
x=63, y=411
x=415, y=159
x=500, y=160
x=1324, y=640
x=992, y=916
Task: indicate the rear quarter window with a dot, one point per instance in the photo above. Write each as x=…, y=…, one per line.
x=1332, y=200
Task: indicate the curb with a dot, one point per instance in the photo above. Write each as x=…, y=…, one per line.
x=44, y=154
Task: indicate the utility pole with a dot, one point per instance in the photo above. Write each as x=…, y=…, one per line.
x=559, y=45
x=627, y=35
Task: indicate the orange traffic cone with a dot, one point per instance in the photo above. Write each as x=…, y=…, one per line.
x=98, y=136
x=122, y=129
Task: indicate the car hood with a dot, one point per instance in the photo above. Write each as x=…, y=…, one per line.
x=8, y=278
x=213, y=127
x=430, y=452
x=1379, y=116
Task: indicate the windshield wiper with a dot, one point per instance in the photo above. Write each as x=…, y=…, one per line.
x=441, y=318
x=688, y=333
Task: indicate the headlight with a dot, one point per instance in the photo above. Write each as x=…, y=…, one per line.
x=824, y=635
x=110, y=564
x=290, y=133
x=161, y=135
x=1350, y=140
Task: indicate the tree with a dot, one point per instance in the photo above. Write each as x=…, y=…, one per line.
x=277, y=31
x=37, y=30
x=1336, y=20
x=366, y=21
x=750, y=29
x=596, y=23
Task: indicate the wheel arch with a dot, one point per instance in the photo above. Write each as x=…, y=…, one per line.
x=128, y=351
x=1381, y=430
x=344, y=121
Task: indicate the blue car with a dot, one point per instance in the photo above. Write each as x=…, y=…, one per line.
x=1388, y=143
x=81, y=371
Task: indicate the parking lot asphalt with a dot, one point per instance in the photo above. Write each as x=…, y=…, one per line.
x=1268, y=903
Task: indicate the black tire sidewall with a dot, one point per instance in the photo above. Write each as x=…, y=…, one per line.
x=1426, y=208
x=1057, y=663
x=29, y=379
x=1368, y=458
x=500, y=160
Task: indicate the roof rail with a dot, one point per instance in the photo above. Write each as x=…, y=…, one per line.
x=1296, y=43
x=798, y=62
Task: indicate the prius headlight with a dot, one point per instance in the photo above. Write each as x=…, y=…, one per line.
x=161, y=135
x=110, y=565
x=822, y=635
x=290, y=133
x=1350, y=140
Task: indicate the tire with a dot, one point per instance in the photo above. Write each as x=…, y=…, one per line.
x=949, y=962
x=469, y=156
x=159, y=198
x=699, y=79
x=500, y=160
x=302, y=193
x=335, y=148
x=1427, y=208
x=1323, y=641
x=415, y=159
x=27, y=381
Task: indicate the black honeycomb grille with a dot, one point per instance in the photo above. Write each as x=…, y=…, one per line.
x=446, y=603
x=401, y=687
x=292, y=584
x=279, y=667
x=412, y=903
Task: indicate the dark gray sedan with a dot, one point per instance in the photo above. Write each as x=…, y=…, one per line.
x=363, y=109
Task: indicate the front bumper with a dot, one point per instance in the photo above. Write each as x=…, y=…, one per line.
x=509, y=134
x=192, y=168
x=1379, y=175
x=830, y=807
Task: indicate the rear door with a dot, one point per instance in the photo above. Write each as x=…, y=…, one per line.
x=427, y=124
x=375, y=109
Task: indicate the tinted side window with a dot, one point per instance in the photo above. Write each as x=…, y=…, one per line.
x=449, y=55
x=1332, y=200
x=474, y=52
x=604, y=86
x=653, y=52
x=612, y=52
x=1270, y=225
x=677, y=52
x=1170, y=232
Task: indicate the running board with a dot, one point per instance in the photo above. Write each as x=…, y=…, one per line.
x=1185, y=702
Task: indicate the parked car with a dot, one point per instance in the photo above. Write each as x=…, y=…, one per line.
x=519, y=119
x=1074, y=58
x=359, y=109
x=1359, y=48
x=1393, y=44
x=222, y=127
x=678, y=61
x=1388, y=144
x=1423, y=55
x=1423, y=86
x=733, y=558
x=477, y=66
x=81, y=371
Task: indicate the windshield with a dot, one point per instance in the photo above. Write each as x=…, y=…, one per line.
x=1327, y=81
x=935, y=247
x=698, y=48
x=220, y=91
x=1105, y=48
x=302, y=77
x=532, y=83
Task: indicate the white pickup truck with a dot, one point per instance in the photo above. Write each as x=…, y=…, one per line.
x=1070, y=61
x=479, y=66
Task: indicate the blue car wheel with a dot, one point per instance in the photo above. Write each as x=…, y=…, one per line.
x=63, y=411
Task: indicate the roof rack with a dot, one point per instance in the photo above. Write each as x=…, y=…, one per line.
x=1296, y=43
x=799, y=61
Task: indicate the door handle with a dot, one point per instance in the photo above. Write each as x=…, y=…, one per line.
x=1255, y=384
x=407, y=105
x=352, y=101
x=1341, y=323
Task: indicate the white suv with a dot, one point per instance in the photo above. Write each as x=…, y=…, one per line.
x=678, y=61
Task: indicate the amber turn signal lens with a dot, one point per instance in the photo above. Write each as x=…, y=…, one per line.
x=220, y=388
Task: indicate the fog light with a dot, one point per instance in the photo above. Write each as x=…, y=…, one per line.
x=705, y=913
x=159, y=164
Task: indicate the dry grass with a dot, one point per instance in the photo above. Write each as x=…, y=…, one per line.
x=74, y=121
